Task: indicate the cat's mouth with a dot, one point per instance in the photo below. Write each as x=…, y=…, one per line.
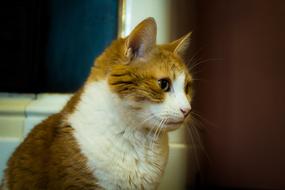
x=170, y=124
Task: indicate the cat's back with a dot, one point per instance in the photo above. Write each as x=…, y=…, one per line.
x=27, y=163
x=49, y=158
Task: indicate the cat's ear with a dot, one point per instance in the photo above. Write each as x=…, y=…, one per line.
x=179, y=46
x=142, y=39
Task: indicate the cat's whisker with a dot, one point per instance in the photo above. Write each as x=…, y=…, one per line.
x=197, y=122
x=204, y=61
x=157, y=130
x=194, y=56
x=202, y=119
x=194, y=148
x=138, y=125
x=154, y=137
x=200, y=80
x=161, y=128
x=150, y=132
x=151, y=117
x=195, y=136
x=199, y=141
x=195, y=140
x=151, y=129
x=155, y=133
x=195, y=64
x=157, y=115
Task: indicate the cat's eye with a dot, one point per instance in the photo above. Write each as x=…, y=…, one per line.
x=188, y=87
x=164, y=84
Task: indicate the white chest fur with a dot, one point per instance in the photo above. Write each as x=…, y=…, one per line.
x=120, y=156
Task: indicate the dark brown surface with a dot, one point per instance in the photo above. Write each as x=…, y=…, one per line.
x=242, y=91
x=240, y=88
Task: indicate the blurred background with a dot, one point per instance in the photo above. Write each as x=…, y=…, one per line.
x=236, y=56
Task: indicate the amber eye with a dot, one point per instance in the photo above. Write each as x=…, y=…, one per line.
x=164, y=84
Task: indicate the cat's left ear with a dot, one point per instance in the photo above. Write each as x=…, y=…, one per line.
x=179, y=46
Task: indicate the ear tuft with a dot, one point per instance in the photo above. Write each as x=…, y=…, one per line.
x=142, y=39
x=182, y=44
x=179, y=46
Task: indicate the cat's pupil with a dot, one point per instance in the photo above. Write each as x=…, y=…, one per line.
x=164, y=84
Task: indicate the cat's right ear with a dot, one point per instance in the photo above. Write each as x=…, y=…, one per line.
x=141, y=40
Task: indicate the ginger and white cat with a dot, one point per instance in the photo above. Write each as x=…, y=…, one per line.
x=112, y=134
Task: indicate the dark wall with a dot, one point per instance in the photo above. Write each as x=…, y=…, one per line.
x=241, y=94
x=20, y=44
x=49, y=45
x=79, y=30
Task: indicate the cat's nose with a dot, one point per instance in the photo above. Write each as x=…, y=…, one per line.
x=185, y=111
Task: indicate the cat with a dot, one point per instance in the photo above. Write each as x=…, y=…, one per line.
x=113, y=132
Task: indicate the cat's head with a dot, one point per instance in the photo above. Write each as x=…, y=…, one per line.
x=151, y=80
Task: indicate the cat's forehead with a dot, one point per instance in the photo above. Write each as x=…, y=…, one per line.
x=165, y=64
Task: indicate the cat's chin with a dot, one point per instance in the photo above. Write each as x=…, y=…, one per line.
x=171, y=126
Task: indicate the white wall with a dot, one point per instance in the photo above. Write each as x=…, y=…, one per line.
x=138, y=10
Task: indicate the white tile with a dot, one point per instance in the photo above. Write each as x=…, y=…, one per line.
x=31, y=122
x=7, y=147
x=11, y=126
x=11, y=104
x=178, y=136
x=47, y=104
x=180, y=168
